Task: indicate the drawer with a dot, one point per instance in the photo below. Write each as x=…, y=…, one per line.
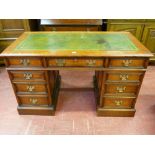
x=127, y=63
x=118, y=102
x=33, y=100
x=124, y=76
x=27, y=75
x=25, y=62
x=75, y=62
x=30, y=88
x=119, y=89
x=70, y=28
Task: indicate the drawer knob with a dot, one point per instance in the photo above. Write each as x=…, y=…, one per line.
x=118, y=103
x=33, y=100
x=25, y=62
x=120, y=89
x=91, y=62
x=60, y=62
x=30, y=88
x=124, y=77
x=126, y=63
x=27, y=76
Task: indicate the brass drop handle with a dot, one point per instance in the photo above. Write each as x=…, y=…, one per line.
x=91, y=62
x=124, y=77
x=126, y=63
x=118, y=103
x=60, y=62
x=33, y=100
x=30, y=88
x=25, y=62
x=27, y=76
x=120, y=89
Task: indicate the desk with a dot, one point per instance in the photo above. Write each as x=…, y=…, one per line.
x=119, y=60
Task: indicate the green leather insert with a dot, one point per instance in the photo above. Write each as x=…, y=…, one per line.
x=76, y=41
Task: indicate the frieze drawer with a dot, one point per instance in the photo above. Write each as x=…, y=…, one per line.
x=127, y=63
x=75, y=62
x=24, y=62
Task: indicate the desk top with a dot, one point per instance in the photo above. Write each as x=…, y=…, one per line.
x=94, y=44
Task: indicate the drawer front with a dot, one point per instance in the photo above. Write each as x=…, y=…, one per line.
x=33, y=100
x=118, y=102
x=121, y=89
x=70, y=28
x=30, y=88
x=127, y=63
x=27, y=75
x=25, y=62
x=124, y=76
x=75, y=62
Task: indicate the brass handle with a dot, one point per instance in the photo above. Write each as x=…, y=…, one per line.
x=124, y=77
x=91, y=62
x=33, y=100
x=27, y=76
x=30, y=88
x=120, y=89
x=25, y=62
x=118, y=103
x=126, y=63
x=60, y=62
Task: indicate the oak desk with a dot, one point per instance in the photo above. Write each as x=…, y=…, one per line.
x=119, y=60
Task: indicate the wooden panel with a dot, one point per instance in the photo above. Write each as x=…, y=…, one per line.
x=135, y=29
x=33, y=100
x=25, y=62
x=121, y=89
x=75, y=62
x=27, y=75
x=30, y=88
x=124, y=76
x=70, y=28
x=148, y=38
x=71, y=21
x=127, y=62
x=118, y=103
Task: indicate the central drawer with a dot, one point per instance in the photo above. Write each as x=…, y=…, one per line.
x=75, y=62
x=31, y=88
x=34, y=100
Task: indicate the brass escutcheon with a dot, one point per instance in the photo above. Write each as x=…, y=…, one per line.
x=25, y=62
x=91, y=62
x=27, y=76
x=124, y=77
x=118, y=103
x=60, y=62
x=33, y=100
x=120, y=89
x=30, y=88
x=126, y=62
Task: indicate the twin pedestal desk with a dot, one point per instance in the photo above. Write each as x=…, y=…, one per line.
x=119, y=60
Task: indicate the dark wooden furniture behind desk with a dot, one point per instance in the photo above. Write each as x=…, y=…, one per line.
x=142, y=29
x=71, y=24
x=11, y=29
x=118, y=59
